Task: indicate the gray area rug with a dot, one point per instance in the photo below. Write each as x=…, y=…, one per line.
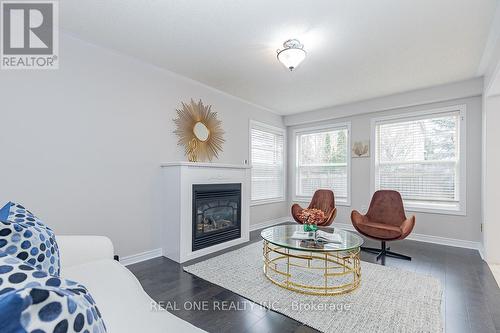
x=388, y=299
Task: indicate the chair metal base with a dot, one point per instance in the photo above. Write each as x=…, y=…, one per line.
x=384, y=252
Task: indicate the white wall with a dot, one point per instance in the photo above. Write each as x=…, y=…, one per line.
x=447, y=226
x=82, y=145
x=445, y=92
x=490, y=65
x=491, y=194
x=490, y=61
x=491, y=149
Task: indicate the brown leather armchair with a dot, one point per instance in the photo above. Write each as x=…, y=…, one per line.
x=384, y=221
x=323, y=200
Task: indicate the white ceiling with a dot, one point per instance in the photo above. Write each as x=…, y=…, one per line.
x=357, y=49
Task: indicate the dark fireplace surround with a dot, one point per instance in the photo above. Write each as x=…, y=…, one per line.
x=216, y=214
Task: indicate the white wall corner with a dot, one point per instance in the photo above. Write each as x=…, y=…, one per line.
x=491, y=45
x=481, y=251
x=489, y=67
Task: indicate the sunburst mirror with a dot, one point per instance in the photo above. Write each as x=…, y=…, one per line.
x=199, y=131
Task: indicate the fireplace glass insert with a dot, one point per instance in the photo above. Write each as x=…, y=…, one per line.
x=216, y=214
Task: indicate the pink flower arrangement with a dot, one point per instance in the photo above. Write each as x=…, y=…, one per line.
x=312, y=216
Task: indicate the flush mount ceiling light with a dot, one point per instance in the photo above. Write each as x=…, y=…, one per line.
x=292, y=54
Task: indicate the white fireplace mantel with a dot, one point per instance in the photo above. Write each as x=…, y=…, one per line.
x=178, y=180
x=206, y=165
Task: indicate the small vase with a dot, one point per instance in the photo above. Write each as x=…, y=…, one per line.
x=310, y=227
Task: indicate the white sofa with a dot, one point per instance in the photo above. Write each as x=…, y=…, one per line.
x=124, y=304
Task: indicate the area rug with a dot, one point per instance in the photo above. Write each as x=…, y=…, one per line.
x=388, y=299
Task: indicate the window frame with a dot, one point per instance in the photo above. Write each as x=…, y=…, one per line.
x=319, y=129
x=428, y=206
x=275, y=130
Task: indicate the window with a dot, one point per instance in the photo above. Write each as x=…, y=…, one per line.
x=323, y=161
x=268, y=163
x=422, y=156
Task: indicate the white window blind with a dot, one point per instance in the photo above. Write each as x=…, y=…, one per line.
x=268, y=163
x=323, y=162
x=420, y=157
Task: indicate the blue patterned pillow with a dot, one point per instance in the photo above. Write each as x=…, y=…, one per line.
x=24, y=236
x=4, y=212
x=33, y=301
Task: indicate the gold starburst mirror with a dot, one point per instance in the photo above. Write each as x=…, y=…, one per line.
x=199, y=131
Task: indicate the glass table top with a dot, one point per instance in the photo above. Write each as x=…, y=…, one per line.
x=281, y=235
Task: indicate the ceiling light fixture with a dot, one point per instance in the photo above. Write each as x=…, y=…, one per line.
x=292, y=54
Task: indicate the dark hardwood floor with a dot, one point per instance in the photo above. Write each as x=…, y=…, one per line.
x=471, y=299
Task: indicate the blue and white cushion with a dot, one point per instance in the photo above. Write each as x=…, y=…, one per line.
x=33, y=301
x=4, y=212
x=25, y=236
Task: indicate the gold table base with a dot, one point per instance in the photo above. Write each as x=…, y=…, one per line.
x=338, y=272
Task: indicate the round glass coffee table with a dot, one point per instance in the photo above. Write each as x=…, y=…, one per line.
x=312, y=267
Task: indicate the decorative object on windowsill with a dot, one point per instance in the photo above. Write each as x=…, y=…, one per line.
x=292, y=54
x=199, y=131
x=312, y=217
x=361, y=149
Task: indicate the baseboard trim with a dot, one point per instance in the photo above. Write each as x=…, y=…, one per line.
x=481, y=252
x=495, y=270
x=135, y=258
x=270, y=223
x=431, y=239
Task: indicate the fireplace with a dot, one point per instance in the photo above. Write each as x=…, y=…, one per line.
x=192, y=191
x=216, y=214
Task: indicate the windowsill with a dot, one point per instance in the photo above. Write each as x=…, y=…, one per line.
x=434, y=209
x=409, y=207
x=308, y=200
x=266, y=201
